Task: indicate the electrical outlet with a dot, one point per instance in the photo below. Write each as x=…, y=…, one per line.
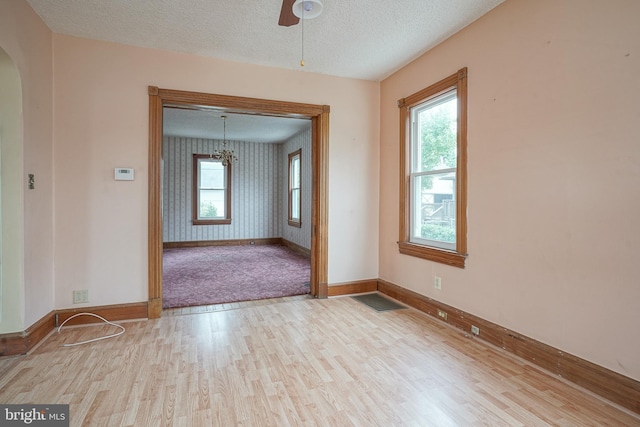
x=80, y=296
x=442, y=314
x=475, y=330
x=437, y=282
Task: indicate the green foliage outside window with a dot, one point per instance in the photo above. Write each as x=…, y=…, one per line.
x=442, y=233
x=208, y=210
x=439, y=142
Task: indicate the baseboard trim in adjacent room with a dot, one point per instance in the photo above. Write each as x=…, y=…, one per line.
x=17, y=343
x=296, y=248
x=604, y=382
x=357, y=287
x=235, y=242
x=240, y=242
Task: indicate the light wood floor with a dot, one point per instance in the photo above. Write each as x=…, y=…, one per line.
x=333, y=362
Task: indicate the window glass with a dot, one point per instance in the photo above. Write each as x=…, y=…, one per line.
x=294, y=188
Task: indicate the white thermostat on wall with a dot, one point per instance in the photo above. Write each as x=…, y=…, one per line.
x=124, y=174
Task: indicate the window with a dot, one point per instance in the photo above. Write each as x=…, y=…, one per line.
x=294, y=189
x=211, y=198
x=433, y=147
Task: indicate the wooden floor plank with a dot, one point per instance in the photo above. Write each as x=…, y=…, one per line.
x=297, y=362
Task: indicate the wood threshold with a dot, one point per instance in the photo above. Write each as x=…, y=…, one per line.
x=604, y=382
x=198, y=309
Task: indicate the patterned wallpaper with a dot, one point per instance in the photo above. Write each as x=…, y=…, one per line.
x=258, y=191
x=301, y=236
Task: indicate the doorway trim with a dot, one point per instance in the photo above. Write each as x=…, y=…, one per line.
x=319, y=115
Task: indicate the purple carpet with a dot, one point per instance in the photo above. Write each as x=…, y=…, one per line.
x=221, y=274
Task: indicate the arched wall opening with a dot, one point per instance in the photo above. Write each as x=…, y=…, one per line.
x=11, y=198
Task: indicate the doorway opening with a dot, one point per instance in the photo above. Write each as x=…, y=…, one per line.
x=12, y=213
x=319, y=116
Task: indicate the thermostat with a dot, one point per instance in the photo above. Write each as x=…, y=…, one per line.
x=124, y=174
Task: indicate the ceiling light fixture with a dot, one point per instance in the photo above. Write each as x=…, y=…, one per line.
x=226, y=156
x=306, y=9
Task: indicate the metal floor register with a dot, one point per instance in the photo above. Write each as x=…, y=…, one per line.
x=378, y=302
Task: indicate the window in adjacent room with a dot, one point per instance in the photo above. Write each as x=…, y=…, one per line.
x=433, y=146
x=294, y=189
x=211, y=191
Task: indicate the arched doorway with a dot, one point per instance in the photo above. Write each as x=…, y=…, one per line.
x=11, y=198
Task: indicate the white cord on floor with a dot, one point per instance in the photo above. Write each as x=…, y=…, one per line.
x=94, y=339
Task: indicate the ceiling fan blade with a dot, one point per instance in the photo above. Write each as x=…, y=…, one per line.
x=287, y=18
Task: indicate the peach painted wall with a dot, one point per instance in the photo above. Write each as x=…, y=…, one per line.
x=29, y=293
x=554, y=175
x=101, y=107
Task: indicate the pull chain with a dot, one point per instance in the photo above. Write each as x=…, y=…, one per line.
x=302, y=49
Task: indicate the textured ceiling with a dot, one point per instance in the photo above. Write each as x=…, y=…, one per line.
x=208, y=124
x=358, y=39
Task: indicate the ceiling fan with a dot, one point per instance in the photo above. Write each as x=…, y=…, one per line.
x=294, y=10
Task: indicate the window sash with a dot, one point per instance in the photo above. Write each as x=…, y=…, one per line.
x=217, y=202
x=411, y=242
x=433, y=218
x=295, y=190
x=211, y=202
x=416, y=135
x=420, y=220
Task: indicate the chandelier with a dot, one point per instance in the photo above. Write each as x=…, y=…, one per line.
x=225, y=155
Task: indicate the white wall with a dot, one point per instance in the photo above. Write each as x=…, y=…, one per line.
x=554, y=175
x=101, y=106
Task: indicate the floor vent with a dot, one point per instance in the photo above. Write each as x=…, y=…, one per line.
x=378, y=302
